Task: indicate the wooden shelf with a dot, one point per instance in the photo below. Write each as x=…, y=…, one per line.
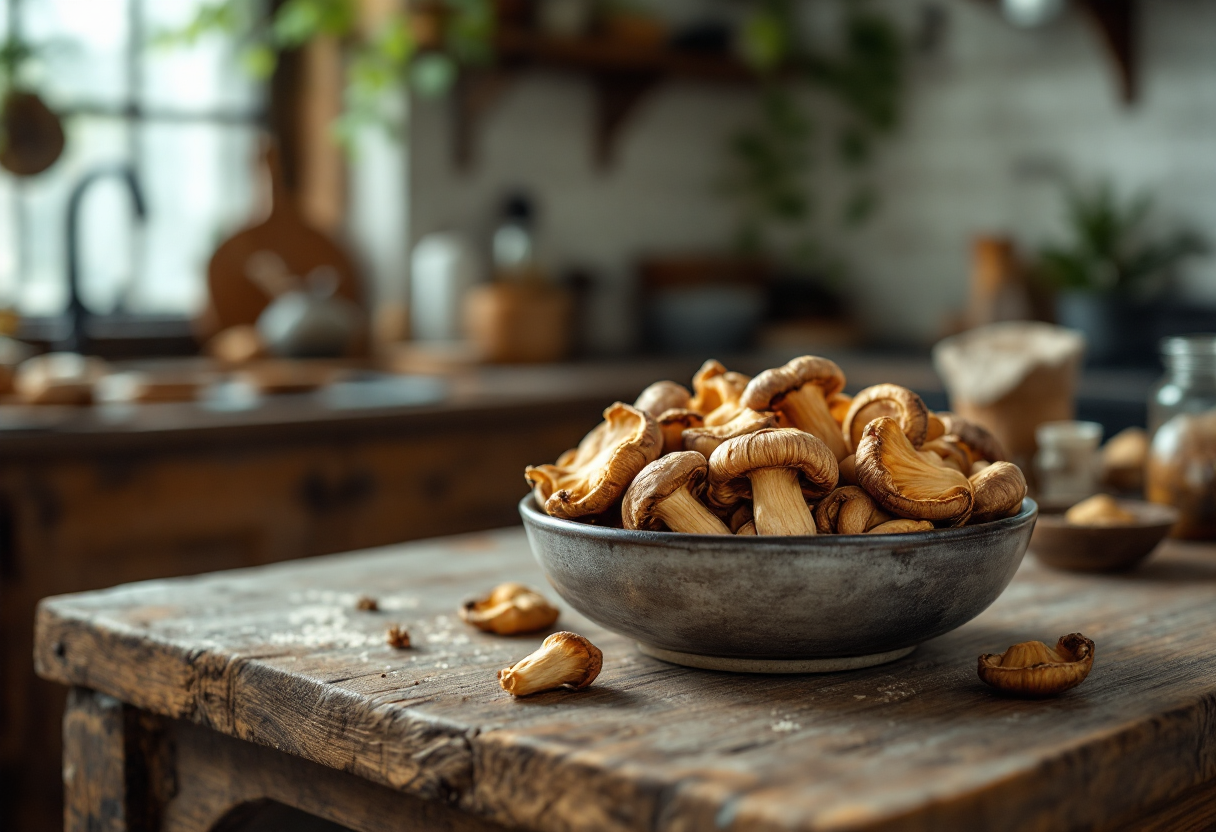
x=621, y=75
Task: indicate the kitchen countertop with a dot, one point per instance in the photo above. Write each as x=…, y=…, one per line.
x=383, y=402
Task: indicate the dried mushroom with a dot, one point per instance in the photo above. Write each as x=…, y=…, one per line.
x=673, y=423
x=1032, y=669
x=951, y=451
x=593, y=476
x=891, y=400
x=999, y=490
x=705, y=440
x=564, y=660
x=904, y=483
x=667, y=495
x=748, y=529
x=741, y=516
x=397, y=637
x=838, y=406
x=510, y=609
x=1099, y=510
x=714, y=386
x=848, y=469
x=901, y=525
x=799, y=393
x=1124, y=458
x=777, y=469
x=979, y=439
x=661, y=397
x=847, y=510
x=935, y=428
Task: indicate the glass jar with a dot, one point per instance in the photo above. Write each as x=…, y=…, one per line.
x=1182, y=417
x=1066, y=465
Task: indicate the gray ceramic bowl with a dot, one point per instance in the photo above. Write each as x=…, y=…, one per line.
x=778, y=604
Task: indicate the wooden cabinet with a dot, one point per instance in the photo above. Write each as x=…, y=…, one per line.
x=78, y=515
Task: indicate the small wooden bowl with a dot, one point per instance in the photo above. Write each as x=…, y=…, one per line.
x=1060, y=544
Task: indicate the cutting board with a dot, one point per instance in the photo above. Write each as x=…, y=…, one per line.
x=235, y=297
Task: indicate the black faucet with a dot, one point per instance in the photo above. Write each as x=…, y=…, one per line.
x=78, y=314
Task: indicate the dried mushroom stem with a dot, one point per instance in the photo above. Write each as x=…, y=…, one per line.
x=778, y=503
x=806, y=409
x=682, y=512
x=564, y=660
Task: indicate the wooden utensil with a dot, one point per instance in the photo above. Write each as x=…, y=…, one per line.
x=236, y=295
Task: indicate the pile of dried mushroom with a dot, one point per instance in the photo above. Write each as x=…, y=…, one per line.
x=784, y=453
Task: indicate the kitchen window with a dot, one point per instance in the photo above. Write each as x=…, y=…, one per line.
x=186, y=119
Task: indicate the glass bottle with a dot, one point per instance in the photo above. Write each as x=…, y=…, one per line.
x=1182, y=418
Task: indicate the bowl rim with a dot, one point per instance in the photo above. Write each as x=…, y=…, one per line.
x=1165, y=517
x=532, y=513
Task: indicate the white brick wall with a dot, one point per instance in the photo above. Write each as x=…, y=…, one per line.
x=985, y=112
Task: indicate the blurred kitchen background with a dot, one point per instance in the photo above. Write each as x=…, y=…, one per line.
x=294, y=277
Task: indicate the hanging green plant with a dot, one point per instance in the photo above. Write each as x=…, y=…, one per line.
x=772, y=161
x=421, y=45
x=31, y=134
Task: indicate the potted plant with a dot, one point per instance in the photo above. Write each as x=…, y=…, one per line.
x=1114, y=263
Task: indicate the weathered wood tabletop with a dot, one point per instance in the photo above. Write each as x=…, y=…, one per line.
x=279, y=656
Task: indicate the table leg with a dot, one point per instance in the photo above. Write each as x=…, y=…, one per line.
x=125, y=770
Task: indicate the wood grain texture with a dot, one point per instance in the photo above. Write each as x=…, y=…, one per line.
x=279, y=656
x=94, y=764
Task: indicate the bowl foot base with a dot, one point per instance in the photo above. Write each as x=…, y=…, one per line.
x=735, y=665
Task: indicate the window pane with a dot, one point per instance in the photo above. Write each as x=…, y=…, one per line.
x=80, y=47
x=205, y=75
x=93, y=143
x=200, y=184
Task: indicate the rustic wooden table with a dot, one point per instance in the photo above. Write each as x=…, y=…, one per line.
x=197, y=698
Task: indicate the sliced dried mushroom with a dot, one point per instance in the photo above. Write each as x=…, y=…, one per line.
x=891, y=400
x=799, y=393
x=904, y=483
x=564, y=660
x=714, y=386
x=901, y=525
x=1099, y=510
x=999, y=490
x=979, y=439
x=777, y=469
x=673, y=423
x=509, y=609
x=592, y=477
x=667, y=495
x=705, y=440
x=662, y=396
x=847, y=510
x=1032, y=669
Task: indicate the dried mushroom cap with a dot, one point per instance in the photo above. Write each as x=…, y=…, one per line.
x=777, y=468
x=935, y=429
x=564, y=660
x=799, y=392
x=748, y=529
x=999, y=490
x=592, y=477
x=899, y=403
x=714, y=385
x=509, y=609
x=951, y=450
x=1032, y=669
x=662, y=396
x=847, y=510
x=705, y=440
x=667, y=495
x=904, y=483
x=673, y=423
x=1099, y=510
x=741, y=516
x=848, y=469
x=979, y=439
